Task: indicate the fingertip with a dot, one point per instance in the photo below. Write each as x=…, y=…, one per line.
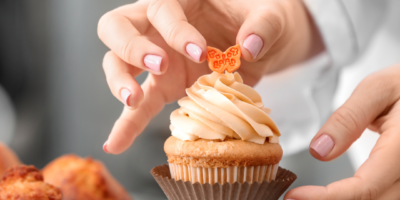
x=153, y=63
x=194, y=51
x=105, y=147
x=253, y=44
x=132, y=98
x=321, y=147
x=125, y=96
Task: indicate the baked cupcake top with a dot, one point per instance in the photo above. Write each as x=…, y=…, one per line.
x=220, y=107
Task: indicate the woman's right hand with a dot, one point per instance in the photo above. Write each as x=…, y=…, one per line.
x=169, y=39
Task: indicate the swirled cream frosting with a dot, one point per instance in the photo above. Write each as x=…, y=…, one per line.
x=220, y=106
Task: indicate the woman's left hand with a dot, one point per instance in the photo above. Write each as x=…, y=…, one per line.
x=375, y=104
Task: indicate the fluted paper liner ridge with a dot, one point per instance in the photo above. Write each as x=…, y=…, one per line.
x=179, y=190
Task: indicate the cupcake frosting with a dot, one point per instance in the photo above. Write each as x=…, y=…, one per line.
x=220, y=106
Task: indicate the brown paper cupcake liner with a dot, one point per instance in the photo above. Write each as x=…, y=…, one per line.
x=222, y=175
x=179, y=190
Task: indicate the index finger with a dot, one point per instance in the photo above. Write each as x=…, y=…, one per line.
x=132, y=122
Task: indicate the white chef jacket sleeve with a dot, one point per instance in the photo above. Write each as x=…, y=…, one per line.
x=346, y=26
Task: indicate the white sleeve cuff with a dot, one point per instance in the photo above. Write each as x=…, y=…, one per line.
x=336, y=29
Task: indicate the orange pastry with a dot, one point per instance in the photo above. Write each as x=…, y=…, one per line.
x=26, y=182
x=80, y=178
x=8, y=158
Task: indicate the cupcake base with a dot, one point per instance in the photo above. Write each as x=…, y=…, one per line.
x=222, y=175
x=180, y=190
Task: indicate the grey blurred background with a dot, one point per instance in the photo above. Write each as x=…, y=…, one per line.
x=50, y=67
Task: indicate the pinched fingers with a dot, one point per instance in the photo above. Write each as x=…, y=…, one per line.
x=118, y=32
x=168, y=17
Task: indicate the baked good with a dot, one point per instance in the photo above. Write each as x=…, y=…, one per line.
x=8, y=158
x=222, y=133
x=26, y=182
x=83, y=178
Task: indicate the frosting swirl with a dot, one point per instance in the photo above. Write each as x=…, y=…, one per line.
x=220, y=106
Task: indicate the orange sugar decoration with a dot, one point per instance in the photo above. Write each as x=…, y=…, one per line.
x=228, y=60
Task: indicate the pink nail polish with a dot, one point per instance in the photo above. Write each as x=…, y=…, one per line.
x=105, y=147
x=323, y=145
x=194, y=51
x=153, y=62
x=125, y=94
x=253, y=43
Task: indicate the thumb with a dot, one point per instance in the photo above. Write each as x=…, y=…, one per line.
x=347, y=123
x=259, y=32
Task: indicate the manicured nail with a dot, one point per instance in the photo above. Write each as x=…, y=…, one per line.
x=125, y=94
x=290, y=199
x=194, y=51
x=153, y=62
x=105, y=147
x=253, y=43
x=323, y=145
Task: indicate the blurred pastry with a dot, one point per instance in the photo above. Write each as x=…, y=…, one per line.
x=8, y=158
x=80, y=178
x=26, y=182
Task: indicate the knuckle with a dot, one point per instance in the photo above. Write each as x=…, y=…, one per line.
x=106, y=59
x=103, y=23
x=383, y=87
x=110, y=78
x=126, y=50
x=346, y=119
x=153, y=10
x=273, y=20
x=172, y=30
x=378, y=82
x=369, y=193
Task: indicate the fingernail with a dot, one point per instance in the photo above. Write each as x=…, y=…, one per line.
x=253, y=43
x=105, y=147
x=153, y=62
x=323, y=145
x=125, y=94
x=194, y=51
x=290, y=199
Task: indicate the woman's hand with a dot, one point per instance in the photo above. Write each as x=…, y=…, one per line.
x=168, y=38
x=374, y=104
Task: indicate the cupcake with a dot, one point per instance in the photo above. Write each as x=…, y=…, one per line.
x=222, y=135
